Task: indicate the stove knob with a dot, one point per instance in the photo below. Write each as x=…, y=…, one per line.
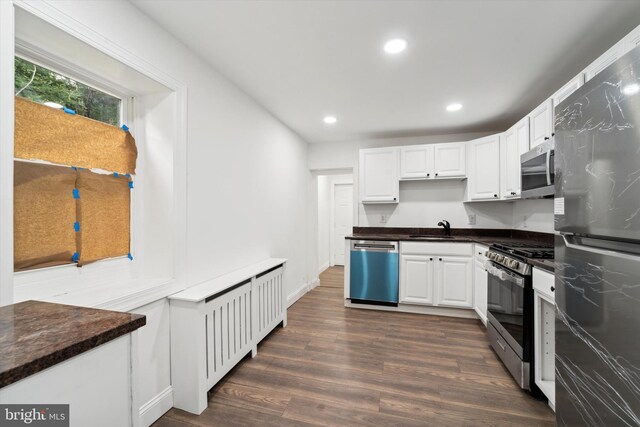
x=499, y=258
x=514, y=264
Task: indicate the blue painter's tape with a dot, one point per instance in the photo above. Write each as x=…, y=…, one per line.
x=130, y=256
x=125, y=128
x=74, y=168
x=68, y=110
x=131, y=184
x=76, y=193
x=128, y=175
x=75, y=257
x=116, y=174
x=76, y=226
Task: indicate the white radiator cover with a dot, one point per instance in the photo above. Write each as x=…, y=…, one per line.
x=209, y=336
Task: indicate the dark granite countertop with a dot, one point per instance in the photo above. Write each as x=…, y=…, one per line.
x=543, y=264
x=485, y=236
x=36, y=335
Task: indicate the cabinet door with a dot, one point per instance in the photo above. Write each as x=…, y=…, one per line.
x=541, y=123
x=566, y=90
x=509, y=165
x=416, y=162
x=606, y=59
x=416, y=279
x=484, y=168
x=480, y=284
x=379, y=175
x=454, y=282
x=450, y=160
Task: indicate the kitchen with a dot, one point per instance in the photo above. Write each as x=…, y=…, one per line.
x=392, y=240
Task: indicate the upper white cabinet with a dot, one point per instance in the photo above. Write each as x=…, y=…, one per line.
x=484, y=168
x=416, y=162
x=513, y=143
x=541, y=123
x=378, y=175
x=566, y=90
x=606, y=59
x=433, y=161
x=450, y=160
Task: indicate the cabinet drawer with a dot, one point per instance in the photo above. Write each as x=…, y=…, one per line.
x=436, y=248
x=544, y=282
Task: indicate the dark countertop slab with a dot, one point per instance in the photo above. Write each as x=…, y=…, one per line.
x=36, y=335
x=485, y=236
x=543, y=264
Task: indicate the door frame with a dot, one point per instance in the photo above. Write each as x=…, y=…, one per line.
x=332, y=215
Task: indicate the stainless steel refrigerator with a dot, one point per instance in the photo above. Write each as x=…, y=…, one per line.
x=597, y=220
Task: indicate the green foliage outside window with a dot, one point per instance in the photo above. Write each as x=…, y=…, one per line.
x=49, y=86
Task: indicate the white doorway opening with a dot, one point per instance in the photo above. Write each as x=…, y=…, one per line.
x=335, y=216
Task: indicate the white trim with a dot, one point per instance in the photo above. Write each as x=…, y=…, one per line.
x=314, y=283
x=464, y=313
x=296, y=295
x=323, y=267
x=156, y=407
x=7, y=47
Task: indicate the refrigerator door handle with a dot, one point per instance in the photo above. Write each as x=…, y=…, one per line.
x=569, y=242
x=548, y=168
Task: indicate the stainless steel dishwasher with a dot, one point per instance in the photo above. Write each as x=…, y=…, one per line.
x=374, y=272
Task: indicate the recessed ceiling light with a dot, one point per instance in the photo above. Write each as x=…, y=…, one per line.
x=395, y=46
x=53, y=105
x=454, y=107
x=330, y=120
x=631, y=89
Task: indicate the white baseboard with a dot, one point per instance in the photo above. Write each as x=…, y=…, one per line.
x=296, y=295
x=323, y=267
x=156, y=407
x=314, y=283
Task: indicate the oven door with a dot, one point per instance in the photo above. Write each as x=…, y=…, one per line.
x=506, y=306
x=537, y=174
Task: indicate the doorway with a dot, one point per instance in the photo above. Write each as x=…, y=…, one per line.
x=335, y=216
x=342, y=219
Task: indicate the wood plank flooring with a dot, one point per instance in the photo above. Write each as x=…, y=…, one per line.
x=333, y=366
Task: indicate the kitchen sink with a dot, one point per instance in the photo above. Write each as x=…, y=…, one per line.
x=426, y=236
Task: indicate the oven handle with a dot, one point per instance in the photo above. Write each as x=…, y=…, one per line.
x=504, y=274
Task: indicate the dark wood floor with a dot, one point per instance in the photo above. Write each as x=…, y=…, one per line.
x=333, y=366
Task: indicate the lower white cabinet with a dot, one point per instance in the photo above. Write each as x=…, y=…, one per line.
x=438, y=274
x=544, y=333
x=480, y=282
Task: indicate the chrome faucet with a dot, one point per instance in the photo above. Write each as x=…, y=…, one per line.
x=447, y=227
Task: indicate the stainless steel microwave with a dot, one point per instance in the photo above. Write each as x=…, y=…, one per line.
x=536, y=172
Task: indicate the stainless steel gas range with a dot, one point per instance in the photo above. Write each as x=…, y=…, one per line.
x=510, y=307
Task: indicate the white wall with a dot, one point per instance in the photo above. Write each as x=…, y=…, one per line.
x=533, y=215
x=324, y=205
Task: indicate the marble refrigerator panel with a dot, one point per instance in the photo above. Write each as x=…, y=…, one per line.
x=597, y=154
x=597, y=345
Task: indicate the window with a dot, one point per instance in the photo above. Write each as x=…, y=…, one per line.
x=41, y=85
x=73, y=171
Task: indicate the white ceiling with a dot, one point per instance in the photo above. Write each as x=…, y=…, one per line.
x=303, y=60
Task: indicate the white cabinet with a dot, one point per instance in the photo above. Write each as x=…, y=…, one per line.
x=454, y=281
x=480, y=282
x=416, y=279
x=632, y=39
x=541, y=123
x=513, y=143
x=416, y=162
x=484, y=168
x=438, y=274
x=544, y=333
x=378, y=175
x=433, y=161
x=450, y=160
x=606, y=59
x=566, y=90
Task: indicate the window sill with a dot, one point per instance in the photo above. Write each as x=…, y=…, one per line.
x=120, y=296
